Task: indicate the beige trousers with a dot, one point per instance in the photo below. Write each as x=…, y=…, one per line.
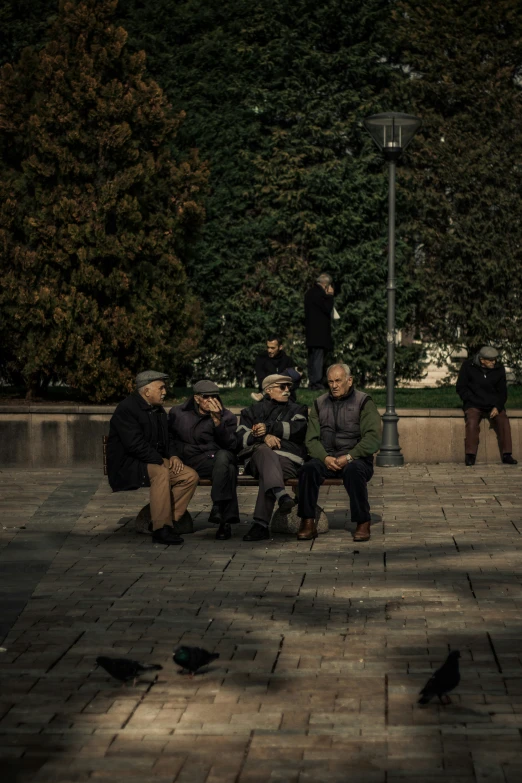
x=170, y=494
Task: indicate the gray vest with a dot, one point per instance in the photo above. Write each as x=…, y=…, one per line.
x=340, y=422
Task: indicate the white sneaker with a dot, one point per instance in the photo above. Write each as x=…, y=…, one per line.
x=257, y=396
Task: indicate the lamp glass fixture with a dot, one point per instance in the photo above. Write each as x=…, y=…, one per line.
x=392, y=131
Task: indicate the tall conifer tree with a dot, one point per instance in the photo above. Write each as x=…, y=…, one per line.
x=95, y=212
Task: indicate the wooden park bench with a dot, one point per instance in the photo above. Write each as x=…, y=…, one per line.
x=288, y=524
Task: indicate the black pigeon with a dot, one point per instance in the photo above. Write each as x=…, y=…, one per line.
x=443, y=680
x=125, y=669
x=193, y=658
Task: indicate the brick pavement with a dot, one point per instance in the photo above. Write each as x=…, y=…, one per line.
x=323, y=646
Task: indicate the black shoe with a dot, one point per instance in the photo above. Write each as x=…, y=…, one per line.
x=470, y=460
x=285, y=503
x=184, y=525
x=257, y=533
x=223, y=532
x=507, y=459
x=215, y=516
x=166, y=535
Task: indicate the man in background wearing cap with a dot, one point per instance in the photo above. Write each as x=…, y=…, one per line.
x=138, y=456
x=272, y=434
x=482, y=387
x=203, y=435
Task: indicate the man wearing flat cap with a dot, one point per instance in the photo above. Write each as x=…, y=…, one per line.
x=138, y=455
x=203, y=435
x=272, y=434
x=482, y=387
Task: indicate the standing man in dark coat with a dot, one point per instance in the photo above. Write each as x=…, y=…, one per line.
x=203, y=435
x=482, y=387
x=138, y=456
x=319, y=305
x=275, y=430
x=275, y=361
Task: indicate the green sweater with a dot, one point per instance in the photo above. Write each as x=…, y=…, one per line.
x=370, y=431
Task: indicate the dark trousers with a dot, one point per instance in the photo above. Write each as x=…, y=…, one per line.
x=222, y=469
x=315, y=367
x=500, y=424
x=355, y=476
x=272, y=470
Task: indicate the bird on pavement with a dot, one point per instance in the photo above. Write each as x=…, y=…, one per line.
x=193, y=658
x=442, y=681
x=125, y=669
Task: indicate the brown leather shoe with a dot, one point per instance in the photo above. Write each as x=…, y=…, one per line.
x=362, y=532
x=307, y=530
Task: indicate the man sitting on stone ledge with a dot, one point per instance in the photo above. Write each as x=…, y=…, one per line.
x=138, y=456
x=344, y=432
x=274, y=430
x=203, y=435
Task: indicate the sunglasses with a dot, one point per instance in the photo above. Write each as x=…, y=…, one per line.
x=209, y=396
x=284, y=386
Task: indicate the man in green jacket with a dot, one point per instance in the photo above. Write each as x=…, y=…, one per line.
x=344, y=432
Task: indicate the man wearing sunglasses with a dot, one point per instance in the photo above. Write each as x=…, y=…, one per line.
x=203, y=435
x=272, y=434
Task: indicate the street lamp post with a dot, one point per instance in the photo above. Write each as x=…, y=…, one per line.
x=392, y=132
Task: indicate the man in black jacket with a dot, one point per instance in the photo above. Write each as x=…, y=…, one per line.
x=138, y=456
x=203, y=435
x=275, y=430
x=274, y=361
x=319, y=304
x=482, y=387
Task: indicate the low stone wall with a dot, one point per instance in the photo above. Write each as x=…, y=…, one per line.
x=55, y=436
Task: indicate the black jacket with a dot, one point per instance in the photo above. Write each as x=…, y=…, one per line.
x=194, y=437
x=285, y=420
x=318, y=318
x=276, y=366
x=138, y=435
x=480, y=387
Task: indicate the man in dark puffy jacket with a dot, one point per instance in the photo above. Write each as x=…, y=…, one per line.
x=138, y=455
x=203, y=435
x=482, y=387
x=274, y=429
x=275, y=361
x=344, y=432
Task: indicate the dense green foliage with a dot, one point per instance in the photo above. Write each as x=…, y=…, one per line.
x=94, y=213
x=465, y=178
x=274, y=94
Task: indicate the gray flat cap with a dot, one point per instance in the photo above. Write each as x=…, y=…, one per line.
x=487, y=352
x=148, y=376
x=205, y=387
x=272, y=380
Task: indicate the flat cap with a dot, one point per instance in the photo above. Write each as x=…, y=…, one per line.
x=205, y=387
x=271, y=380
x=487, y=352
x=148, y=376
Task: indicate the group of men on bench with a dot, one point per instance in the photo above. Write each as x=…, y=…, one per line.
x=275, y=439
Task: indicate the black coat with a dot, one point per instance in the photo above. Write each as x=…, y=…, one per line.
x=138, y=435
x=276, y=366
x=194, y=437
x=286, y=420
x=318, y=318
x=480, y=387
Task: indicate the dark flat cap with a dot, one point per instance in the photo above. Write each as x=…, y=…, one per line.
x=148, y=376
x=205, y=387
x=487, y=352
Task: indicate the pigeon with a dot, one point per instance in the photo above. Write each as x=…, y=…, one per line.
x=125, y=669
x=443, y=680
x=193, y=658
